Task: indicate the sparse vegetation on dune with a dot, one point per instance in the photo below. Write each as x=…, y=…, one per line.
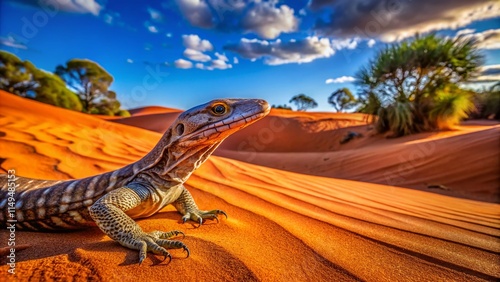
x=303, y=102
x=80, y=85
x=413, y=86
x=487, y=103
x=342, y=99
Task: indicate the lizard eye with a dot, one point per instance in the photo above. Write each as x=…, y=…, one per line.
x=219, y=109
x=180, y=129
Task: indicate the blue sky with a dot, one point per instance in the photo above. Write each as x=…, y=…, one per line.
x=186, y=52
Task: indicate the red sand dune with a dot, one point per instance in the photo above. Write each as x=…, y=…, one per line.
x=152, y=110
x=282, y=226
x=158, y=122
x=465, y=161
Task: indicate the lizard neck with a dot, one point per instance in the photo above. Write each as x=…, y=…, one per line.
x=172, y=163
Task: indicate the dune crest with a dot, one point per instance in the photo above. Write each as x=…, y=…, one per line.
x=282, y=226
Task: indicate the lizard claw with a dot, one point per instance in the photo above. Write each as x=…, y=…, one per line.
x=224, y=213
x=199, y=216
x=167, y=256
x=187, y=251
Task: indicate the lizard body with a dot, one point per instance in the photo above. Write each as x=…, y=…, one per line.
x=113, y=199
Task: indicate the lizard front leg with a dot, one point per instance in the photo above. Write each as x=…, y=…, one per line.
x=187, y=207
x=109, y=214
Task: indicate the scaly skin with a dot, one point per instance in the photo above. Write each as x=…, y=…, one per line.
x=113, y=199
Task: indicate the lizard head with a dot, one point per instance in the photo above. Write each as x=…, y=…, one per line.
x=214, y=121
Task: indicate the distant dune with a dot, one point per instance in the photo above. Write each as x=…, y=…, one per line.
x=158, y=122
x=152, y=110
x=282, y=226
x=461, y=163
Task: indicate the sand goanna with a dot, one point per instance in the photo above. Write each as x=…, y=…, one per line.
x=112, y=200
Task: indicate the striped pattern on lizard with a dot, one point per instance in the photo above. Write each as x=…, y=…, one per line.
x=112, y=200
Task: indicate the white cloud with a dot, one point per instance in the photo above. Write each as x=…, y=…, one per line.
x=151, y=28
x=71, y=6
x=348, y=43
x=221, y=57
x=155, y=15
x=219, y=64
x=465, y=31
x=130, y=61
x=371, y=43
x=214, y=64
x=264, y=18
x=489, y=73
x=235, y=60
x=488, y=39
x=183, y=64
x=276, y=53
x=196, y=12
x=391, y=21
x=193, y=41
x=342, y=79
x=196, y=55
x=76, y=6
x=269, y=21
x=12, y=42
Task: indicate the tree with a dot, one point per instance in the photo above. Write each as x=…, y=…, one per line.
x=342, y=99
x=52, y=90
x=89, y=80
x=487, y=103
x=24, y=79
x=16, y=75
x=282, y=107
x=303, y=102
x=414, y=85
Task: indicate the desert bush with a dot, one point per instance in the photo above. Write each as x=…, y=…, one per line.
x=413, y=85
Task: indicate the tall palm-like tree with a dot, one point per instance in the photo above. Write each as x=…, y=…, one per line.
x=413, y=85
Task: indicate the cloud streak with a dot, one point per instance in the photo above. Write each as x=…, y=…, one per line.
x=488, y=39
x=267, y=19
x=279, y=52
x=12, y=42
x=342, y=79
x=70, y=6
x=489, y=73
x=392, y=20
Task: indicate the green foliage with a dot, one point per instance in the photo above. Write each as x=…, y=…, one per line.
x=369, y=104
x=342, y=99
x=303, y=102
x=488, y=103
x=412, y=85
x=24, y=79
x=52, y=90
x=15, y=74
x=89, y=80
x=92, y=81
x=400, y=118
x=123, y=113
x=282, y=107
x=452, y=105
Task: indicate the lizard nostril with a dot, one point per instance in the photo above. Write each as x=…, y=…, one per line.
x=180, y=129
